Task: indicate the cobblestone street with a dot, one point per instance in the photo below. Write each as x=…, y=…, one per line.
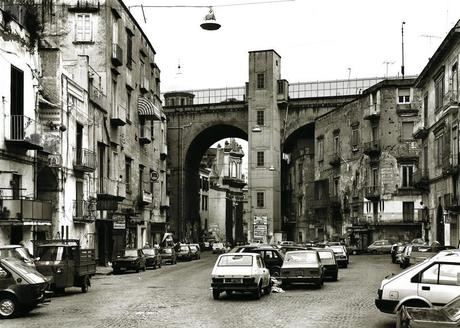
x=179, y=296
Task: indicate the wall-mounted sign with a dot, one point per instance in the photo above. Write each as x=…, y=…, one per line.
x=54, y=160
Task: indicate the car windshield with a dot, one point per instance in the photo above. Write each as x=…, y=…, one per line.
x=326, y=257
x=301, y=257
x=193, y=248
x=235, y=260
x=149, y=251
x=184, y=248
x=17, y=253
x=50, y=253
x=166, y=250
x=217, y=245
x=131, y=252
x=452, y=309
x=336, y=249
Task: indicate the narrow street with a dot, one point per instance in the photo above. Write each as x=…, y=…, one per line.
x=179, y=296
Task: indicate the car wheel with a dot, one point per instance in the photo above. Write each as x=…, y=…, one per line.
x=215, y=294
x=258, y=292
x=275, y=272
x=8, y=306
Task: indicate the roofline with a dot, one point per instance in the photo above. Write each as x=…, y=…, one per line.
x=446, y=43
x=137, y=24
x=265, y=50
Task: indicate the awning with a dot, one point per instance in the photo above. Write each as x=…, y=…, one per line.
x=147, y=109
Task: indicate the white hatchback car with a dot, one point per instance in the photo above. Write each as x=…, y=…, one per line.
x=240, y=272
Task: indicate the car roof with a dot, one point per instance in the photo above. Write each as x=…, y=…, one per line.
x=447, y=258
x=11, y=246
x=239, y=254
x=302, y=251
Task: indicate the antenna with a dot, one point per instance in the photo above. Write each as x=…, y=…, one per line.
x=402, y=48
x=387, y=62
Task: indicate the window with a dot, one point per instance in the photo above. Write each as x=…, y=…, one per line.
x=280, y=87
x=128, y=174
x=336, y=144
x=406, y=130
x=406, y=175
x=204, y=203
x=260, y=117
x=300, y=207
x=445, y=274
x=129, y=50
x=260, y=200
x=438, y=91
x=151, y=181
x=454, y=80
x=320, y=143
x=404, y=96
x=141, y=179
x=425, y=110
x=375, y=177
x=260, y=81
x=260, y=158
x=83, y=28
x=354, y=138
x=300, y=173
x=439, y=149
x=375, y=133
x=408, y=211
x=128, y=105
x=336, y=187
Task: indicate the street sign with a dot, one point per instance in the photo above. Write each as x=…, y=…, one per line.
x=154, y=176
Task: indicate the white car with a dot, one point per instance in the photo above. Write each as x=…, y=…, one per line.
x=432, y=282
x=240, y=272
x=218, y=248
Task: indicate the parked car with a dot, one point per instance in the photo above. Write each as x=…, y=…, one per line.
x=394, y=250
x=195, y=249
x=130, y=259
x=287, y=242
x=65, y=263
x=247, y=248
x=273, y=258
x=22, y=287
x=218, y=248
x=152, y=257
x=184, y=253
x=434, y=281
x=439, y=317
x=379, y=247
x=288, y=248
x=17, y=252
x=302, y=267
x=341, y=255
x=331, y=267
x=168, y=254
x=240, y=272
x=399, y=256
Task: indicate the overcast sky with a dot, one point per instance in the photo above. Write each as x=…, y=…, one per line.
x=317, y=40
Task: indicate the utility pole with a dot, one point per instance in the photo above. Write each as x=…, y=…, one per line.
x=402, y=48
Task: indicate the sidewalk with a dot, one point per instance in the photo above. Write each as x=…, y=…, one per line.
x=103, y=270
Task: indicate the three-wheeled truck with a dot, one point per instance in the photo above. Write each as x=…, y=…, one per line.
x=65, y=262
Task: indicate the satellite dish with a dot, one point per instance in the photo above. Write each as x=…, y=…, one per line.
x=210, y=23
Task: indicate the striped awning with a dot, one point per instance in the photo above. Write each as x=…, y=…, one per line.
x=147, y=109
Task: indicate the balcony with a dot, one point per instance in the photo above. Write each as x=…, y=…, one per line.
x=450, y=164
x=372, y=113
x=372, y=192
x=118, y=117
x=409, y=108
x=145, y=197
x=335, y=159
x=164, y=152
x=408, y=150
x=451, y=203
x=283, y=91
x=110, y=189
x=21, y=210
x=83, y=211
x=420, y=131
x=84, y=160
x=117, y=55
x=451, y=102
x=85, y=6
x=144, y=84
x=23, y=132
x=372, y=148
x=145, y=134
x=233, y=182
x=421, y=180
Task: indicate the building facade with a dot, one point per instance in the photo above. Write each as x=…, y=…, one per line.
x=25, y=215
x=102, y=98
x=438, y=131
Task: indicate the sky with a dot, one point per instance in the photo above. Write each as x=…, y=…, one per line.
x=317, y=40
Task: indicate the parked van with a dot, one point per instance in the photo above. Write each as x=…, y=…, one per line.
x=432, y=282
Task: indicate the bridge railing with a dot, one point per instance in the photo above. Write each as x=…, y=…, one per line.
x=331, y=88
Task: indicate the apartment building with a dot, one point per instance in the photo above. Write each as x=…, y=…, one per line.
x=118, y=144
x=437, y=129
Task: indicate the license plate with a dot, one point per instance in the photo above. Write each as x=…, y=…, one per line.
x=233, y=280
x=122, y=268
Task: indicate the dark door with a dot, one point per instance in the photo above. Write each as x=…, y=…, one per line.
x=17, y=104
x=79, y=144
x=16, y=185
x=440, y=225
x=16, y=235
x=79, y=199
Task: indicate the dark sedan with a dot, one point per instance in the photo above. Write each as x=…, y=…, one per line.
x=168, y=254
x=331, y=268
x=302, y=267
x=272, y=257
x=184, y=253
x=131, y=259
x=152, y=257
